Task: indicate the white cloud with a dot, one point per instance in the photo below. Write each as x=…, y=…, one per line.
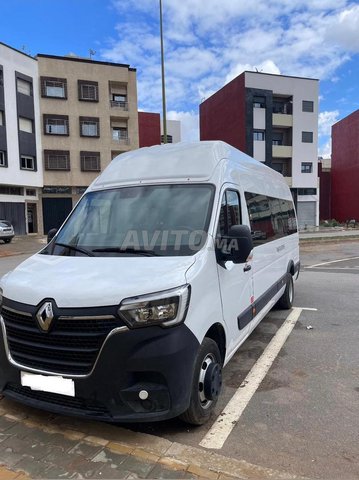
x=343, y=29
x=325, y=150
x=189, y=124
x=207, y=45
x=326, y=120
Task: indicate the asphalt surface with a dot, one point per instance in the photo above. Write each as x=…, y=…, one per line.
x=303, y=419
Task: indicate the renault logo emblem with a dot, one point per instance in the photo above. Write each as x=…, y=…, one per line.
x=44, y=316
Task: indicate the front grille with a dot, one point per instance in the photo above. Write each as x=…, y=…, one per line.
x=89, y=407
x=71, y=347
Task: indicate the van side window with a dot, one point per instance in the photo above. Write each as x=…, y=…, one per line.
x=270, y=218
x=288, y=216
x=260, y=216
x=230, y=213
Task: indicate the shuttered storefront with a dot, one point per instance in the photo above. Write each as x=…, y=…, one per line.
x=306, y=214
x=14, y=213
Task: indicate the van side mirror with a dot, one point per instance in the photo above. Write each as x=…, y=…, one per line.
x=237, y=245
x=51, y=233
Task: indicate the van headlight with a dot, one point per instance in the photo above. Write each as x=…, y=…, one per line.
x=166, y=308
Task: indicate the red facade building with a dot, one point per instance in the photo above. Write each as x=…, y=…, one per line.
x=345, y=168
x=149, y=129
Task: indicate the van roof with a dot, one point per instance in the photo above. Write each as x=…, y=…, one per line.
x=175, y=162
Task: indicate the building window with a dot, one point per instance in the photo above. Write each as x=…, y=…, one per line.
x=259, y=102
x=120, y=134
x=54, y=87
x=27, y=162
x=259, y=135
x=89, y=126
x=278, y=167
x=88, y=91
x=57, y=160
x=1, y=78
x=307, y=137
x=307, y=167
x=56, y=125
x=119, y=100
x=90, y=161
x=26, y=125
x=307, y=106
x=23, y=87
x=3, y=162
x=30, y=192
x=169, y=138
x=277, y=138
x=5, y=190
x=2, y=118
x=307, y=191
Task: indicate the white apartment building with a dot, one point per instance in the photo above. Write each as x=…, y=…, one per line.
x=273, y=118
x=21, y=173
x=173, y=131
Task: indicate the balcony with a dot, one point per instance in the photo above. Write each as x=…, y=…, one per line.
x=282, y=151
x=282, y=120
x=120, y=137
x=119, y=105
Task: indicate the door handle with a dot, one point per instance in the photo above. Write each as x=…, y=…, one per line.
x=247, y=267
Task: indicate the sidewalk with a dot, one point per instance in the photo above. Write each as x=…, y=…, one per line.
x=329, y=234
x=35, y=444
x=22, y=244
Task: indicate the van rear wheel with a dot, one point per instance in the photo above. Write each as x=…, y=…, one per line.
x=206, y=384
x=286, y=300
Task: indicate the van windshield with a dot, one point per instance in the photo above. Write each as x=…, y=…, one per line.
x=162, y=220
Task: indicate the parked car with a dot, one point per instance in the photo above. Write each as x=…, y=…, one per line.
x=6, y=231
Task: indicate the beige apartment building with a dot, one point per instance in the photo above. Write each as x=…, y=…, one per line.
x=88, y=116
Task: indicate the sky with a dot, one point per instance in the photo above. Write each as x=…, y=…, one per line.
x=207, y=44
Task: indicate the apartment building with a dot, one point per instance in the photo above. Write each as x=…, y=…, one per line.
x=88, y=117
x=150, y=128
x=20, y=140
x=273, y=118
x=345, y=168
x=173, y=131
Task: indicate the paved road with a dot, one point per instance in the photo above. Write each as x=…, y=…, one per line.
x=303, y=419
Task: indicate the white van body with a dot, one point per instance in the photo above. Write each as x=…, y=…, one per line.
x=146, y=372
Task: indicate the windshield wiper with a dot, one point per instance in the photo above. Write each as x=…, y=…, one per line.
x=138, y=251
x=77, y=249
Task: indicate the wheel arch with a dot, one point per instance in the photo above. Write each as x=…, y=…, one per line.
x=291, y=268
x=218, y=335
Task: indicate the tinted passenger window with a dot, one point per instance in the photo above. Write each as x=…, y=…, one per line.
x=230, y=212
x=270, y=218
x=260, y=216
x=288, y=216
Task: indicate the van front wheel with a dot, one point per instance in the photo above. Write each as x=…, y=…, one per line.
x=206, y=384
x=286, y=300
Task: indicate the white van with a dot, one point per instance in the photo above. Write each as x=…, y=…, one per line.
x=170, y=259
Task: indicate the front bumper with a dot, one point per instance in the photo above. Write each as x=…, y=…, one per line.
x=6, y=235
x=154, y=359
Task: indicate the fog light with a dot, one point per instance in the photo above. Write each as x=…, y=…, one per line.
x=143, y=394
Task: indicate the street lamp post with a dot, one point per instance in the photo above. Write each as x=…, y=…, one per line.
x=163, y=81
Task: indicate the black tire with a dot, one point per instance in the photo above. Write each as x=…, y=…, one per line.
x=204, y=394
x=7, y=240
x=286, y=300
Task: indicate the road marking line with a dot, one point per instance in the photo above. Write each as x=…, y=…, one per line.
x=230, y=415
x=332, y=261
x=309, y=309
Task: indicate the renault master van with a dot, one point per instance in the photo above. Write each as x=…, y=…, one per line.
x=168, y=262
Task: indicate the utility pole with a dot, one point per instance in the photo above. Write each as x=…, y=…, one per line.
x=163, y=81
